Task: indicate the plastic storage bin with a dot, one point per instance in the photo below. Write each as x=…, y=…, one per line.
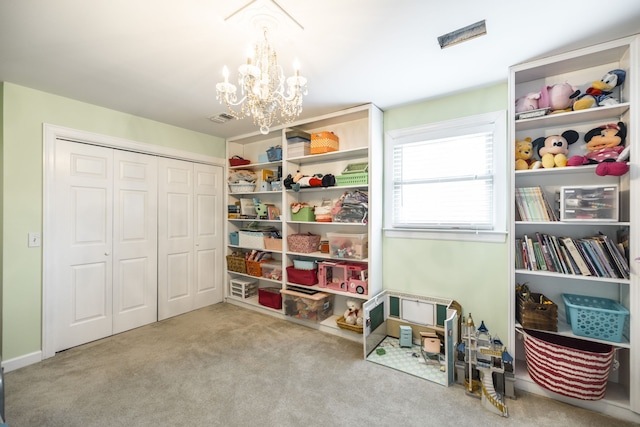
x=595, y=317
x=348, y=246
x=304, y=214
x=314, y=307
x=234, y=238
x=589, y=203
x=271, y=271
x=243, y=288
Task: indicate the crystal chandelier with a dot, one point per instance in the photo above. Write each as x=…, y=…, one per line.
x=262, y=89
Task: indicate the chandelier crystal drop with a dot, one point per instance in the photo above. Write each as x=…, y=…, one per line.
x=262, y=89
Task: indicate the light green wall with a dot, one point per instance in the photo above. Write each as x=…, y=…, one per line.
x=24, y=112
x=472, y=273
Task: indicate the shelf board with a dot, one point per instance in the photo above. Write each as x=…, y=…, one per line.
x=573, y=117
x=255, y=192
x=332, y=224
x=331, y=291
x=565, y=330
x=266, y=165
x=572, y=276
x=331, y=156
x=573, y=223
x=322, y=255
x=333, y=187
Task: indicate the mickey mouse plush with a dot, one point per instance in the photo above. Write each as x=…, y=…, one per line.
x=605, y=146
x=553, y=149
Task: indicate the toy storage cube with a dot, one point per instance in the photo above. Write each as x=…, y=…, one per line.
x=243, y=288
x=315, y=307
x=348, y=246
x=406, y=339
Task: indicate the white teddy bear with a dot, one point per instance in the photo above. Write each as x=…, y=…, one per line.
x=353, y=313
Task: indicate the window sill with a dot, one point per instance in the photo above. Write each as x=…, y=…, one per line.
x=461, y=235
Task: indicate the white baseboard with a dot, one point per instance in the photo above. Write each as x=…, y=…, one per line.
x=22, y=361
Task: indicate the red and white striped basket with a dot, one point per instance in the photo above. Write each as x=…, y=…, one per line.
x=567, y=365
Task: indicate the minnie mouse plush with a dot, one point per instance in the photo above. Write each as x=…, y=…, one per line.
x=605, y=146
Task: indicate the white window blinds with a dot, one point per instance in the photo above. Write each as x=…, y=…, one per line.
x=445, y=182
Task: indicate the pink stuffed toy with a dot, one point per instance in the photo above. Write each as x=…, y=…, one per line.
x=605, y=146
x=558, y=98
x=527, y=102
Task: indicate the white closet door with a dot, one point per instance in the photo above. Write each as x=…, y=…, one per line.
x=83, y=232
x=208, y=232
x=175, y=238
x=135, y=240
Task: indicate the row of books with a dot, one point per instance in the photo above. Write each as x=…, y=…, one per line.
x=594, y=256
x=532, y=205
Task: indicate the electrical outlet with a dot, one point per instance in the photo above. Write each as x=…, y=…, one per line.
x=34, y=240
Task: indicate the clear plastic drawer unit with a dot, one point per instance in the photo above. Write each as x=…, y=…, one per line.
x=589, y=203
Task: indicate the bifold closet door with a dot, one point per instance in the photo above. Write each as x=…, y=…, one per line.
x=190, y=237
x=106, y=242
x=83, y=232
x=135, y=240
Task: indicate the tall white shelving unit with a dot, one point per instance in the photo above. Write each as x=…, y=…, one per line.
x=579, y=68
x=360, y=140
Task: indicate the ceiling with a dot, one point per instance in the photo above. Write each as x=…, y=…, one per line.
x=161, y=59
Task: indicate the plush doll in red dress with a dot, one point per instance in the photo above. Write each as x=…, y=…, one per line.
x=605, y=146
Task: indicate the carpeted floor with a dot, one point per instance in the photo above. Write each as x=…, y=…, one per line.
x=227, y=366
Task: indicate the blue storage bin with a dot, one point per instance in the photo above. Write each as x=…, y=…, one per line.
x=234, y=238
x=274, y=154
x=594, y=317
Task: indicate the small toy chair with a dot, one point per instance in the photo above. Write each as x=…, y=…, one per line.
x=430, y=347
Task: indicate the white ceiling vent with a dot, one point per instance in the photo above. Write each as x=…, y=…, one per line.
x=221, y=118
x=463, y=34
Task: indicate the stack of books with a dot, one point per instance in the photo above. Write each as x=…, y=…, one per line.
x=532, y=205
x=594, y=256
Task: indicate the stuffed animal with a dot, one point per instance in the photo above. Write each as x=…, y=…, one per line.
x=524, y=155
x=605, y=146
x=353, y=313
x=599, y=92
x=553, y=149
x=558, y=98
x=527, y=102
x=301, y=181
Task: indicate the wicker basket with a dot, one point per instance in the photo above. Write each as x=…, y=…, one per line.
x=236, y=264
x=323, y=142
x=541, y=315
x=344, y=325
x=245, y=187
x=254, y=268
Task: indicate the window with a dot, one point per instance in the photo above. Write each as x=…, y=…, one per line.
x=448, y=179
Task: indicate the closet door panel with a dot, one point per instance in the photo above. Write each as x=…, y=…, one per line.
x=135, y=279
x=175, y=233
x=83, y=236
x=209, y=187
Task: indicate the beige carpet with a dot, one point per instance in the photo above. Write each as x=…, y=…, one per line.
x=227, y=366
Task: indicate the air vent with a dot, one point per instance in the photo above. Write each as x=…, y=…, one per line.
x=221, y=118
x=463, y=34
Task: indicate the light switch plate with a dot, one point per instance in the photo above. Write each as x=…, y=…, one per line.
x=34, y=240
